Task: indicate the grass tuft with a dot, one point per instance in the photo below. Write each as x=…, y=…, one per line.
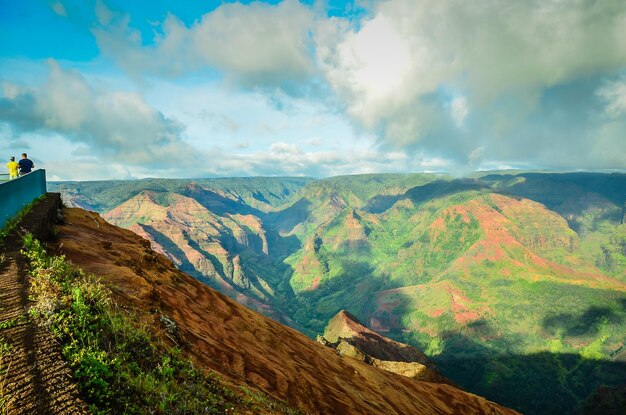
x=5, y=397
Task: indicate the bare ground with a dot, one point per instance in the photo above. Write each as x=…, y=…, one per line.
x=34, y=378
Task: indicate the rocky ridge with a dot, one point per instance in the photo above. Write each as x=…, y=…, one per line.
x=350, y=338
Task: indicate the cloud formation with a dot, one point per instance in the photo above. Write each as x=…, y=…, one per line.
x=455, y=77
x=288, y=159
x=282, y=88
x=447, y=77
x=253, y=45
x=614, y=97
x=114, y=125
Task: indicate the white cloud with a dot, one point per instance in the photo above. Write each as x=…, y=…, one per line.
x=288, y=159
x=105, y=15
x=253, y=45
x=265, y=43
x=413, y=70
x=614, y=96
x=115, y=125
x=459, y=110
x=285, y=149
x=59, y=8
x=435, y=84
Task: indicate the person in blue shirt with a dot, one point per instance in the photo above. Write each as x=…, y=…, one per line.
x=26, y=165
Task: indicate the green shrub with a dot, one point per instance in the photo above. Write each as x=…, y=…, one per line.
x=12, y=223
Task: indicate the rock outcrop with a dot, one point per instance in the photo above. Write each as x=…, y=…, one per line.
x=350, y=338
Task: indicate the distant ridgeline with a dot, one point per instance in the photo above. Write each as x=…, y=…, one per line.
x=514, y=284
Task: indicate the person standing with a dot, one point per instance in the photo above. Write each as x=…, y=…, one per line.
x=13, y=168
x=26, y=165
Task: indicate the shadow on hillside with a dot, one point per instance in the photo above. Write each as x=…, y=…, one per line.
x=565, y=193
x=350, y=289
x=536, y=384
x=279, y=247
x=546, y=383
x=190, y=269
x=218, y=204
x=219, y=268
x=421, y=194
x=259, y=196
x=263, y=266
x=252, y=242
x=171, y=248
x=380, y=203
x=441, y=188
x=287, y=219
x=589, y=323
x=574, y=221
x=541, y=383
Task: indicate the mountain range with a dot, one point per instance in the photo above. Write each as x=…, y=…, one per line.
x=279, y=369
x=512, y=283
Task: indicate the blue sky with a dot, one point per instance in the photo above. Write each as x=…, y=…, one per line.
x=116, y=89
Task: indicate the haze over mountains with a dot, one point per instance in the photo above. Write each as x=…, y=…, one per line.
x=514, y=284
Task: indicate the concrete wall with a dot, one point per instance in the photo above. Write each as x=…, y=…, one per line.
x=17, y=193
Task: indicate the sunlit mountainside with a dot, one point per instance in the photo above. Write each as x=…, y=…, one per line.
x=514, y=284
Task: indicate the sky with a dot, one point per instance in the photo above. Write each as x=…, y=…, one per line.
x=113, y=89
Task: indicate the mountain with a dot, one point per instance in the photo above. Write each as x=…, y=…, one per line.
x=247, y=349
x=257, y=192
x=489, y=275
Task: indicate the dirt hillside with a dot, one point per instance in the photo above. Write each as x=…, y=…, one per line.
x=34, y=378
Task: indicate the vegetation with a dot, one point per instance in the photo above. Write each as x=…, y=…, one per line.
x=257, y=191
x=553, y=383
x=120, y=367
x=13, y=222
x=5, y=397
x=498, y=271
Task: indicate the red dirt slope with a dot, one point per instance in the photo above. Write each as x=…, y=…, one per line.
x=245, y=346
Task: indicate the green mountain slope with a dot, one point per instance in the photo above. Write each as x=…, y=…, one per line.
x=471, y=270
x=258, y=192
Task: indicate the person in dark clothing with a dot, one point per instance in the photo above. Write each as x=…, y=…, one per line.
x=26, y=165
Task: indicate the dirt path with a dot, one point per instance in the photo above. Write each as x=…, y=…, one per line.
x=34, y=378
